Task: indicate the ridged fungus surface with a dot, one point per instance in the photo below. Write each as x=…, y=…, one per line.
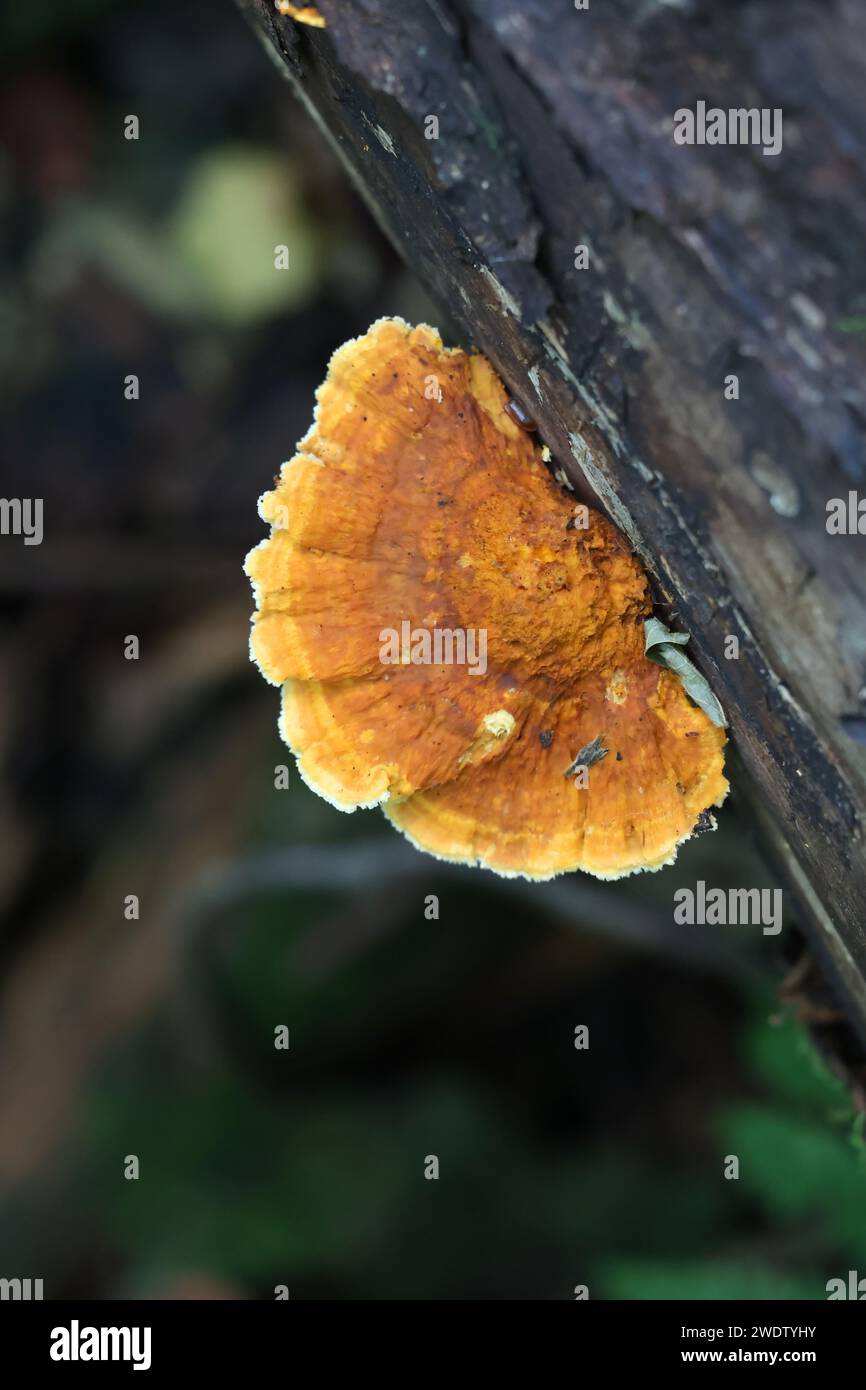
x=456, y=641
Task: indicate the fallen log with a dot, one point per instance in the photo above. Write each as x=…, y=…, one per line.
x=685, y=322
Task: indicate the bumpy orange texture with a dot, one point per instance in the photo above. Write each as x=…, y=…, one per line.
x=415, y=498
x=302, y=14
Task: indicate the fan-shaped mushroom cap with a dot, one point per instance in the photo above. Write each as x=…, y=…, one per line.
x=416, y=507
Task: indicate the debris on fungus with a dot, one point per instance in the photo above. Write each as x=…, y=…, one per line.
x=520, y=416
x=588, y=756
x=417, y=505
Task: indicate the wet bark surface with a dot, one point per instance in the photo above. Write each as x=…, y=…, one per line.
x=556, y=131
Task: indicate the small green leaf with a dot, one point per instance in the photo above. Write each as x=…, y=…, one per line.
x=655, y=632
x=663, y=647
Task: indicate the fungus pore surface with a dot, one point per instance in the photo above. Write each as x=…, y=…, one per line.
x=418, y=521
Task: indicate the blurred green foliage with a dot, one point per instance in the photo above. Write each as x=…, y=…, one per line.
x=306, y=1167
x=802, y=1166
x=237, y=207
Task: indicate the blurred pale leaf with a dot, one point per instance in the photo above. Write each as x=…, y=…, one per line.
x=238, y=205
x=689, y=1280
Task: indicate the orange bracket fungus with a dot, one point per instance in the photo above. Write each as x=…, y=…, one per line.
x=418, y=527
x=301, y=14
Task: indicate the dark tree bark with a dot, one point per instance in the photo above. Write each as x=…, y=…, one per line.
x=556, y=131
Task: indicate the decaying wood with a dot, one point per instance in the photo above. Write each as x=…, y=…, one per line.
x=556, y=131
